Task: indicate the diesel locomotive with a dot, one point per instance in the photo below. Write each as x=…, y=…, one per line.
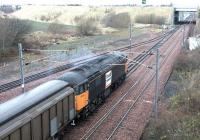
x=43, y=112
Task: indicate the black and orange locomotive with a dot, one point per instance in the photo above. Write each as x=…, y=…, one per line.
x=94, y=81
x=43, y=112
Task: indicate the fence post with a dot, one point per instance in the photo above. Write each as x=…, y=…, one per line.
x=130, y=36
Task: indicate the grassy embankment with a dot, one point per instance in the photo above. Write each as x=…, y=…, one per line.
x=43, y=16
x=180, y=118
x=70, y=18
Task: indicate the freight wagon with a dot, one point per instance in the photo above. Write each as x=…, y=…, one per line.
x=46, y=113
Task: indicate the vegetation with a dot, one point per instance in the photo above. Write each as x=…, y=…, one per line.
x=150, y=19
x=12, y=31
x=50, y=16
x=181, y=120
x=87, y=25
x=121, y=20
x=56, y=28
x=66, y=14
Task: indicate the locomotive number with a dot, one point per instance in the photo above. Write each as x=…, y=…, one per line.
x=108, y=79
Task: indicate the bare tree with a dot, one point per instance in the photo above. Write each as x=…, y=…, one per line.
x=4, y=28
x=12, y=31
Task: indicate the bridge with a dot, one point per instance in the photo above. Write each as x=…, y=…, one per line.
x=184, y=15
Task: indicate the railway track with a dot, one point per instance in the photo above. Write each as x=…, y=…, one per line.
x=43, y=74
x=141, y=57
x=96, y=128
x=169, y=52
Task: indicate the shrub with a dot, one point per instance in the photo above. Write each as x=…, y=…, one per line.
x=173, y=127
x=87, y=26
x=50, y=16
x=121, y=20
x=188, y=61
x=56, y=28
x=77, y=19
x=108, y=10
x=150, y=19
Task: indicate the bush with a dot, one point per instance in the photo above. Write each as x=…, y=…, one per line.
x=77, y=19
x=87, y=26
x=188, y=61
x=56, y=28
x=108, y=10
x=150, y=19
x=50, y=16
x=121, y=20
x=187, y=101
x=173, y=127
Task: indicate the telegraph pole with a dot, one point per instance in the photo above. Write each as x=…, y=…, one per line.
x=21, y=60
x=130, y=35
x=156, y=85
x=183, y=33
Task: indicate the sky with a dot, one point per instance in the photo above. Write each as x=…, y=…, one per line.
x=178, y=3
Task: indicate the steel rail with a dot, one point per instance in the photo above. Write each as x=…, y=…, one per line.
x=91, y=131
x=169, y=51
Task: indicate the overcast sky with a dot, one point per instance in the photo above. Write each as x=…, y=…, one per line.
x=179, y=3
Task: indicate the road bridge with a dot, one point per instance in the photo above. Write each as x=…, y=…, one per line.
x=184, y=15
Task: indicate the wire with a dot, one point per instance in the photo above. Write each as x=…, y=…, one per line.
x=41, y=59
x=133, y=64
x=150, y=53
x=39, y=50
x=54, y=61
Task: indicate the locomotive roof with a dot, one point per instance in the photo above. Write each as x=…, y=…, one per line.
x=83, y=72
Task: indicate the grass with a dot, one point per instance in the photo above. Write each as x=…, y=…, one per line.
x=43, y=26
x=97, y=42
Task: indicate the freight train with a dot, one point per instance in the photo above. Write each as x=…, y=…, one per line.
x=44, y=112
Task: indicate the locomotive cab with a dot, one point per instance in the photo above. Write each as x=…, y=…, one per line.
x=79, y=83
x=82, y=96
